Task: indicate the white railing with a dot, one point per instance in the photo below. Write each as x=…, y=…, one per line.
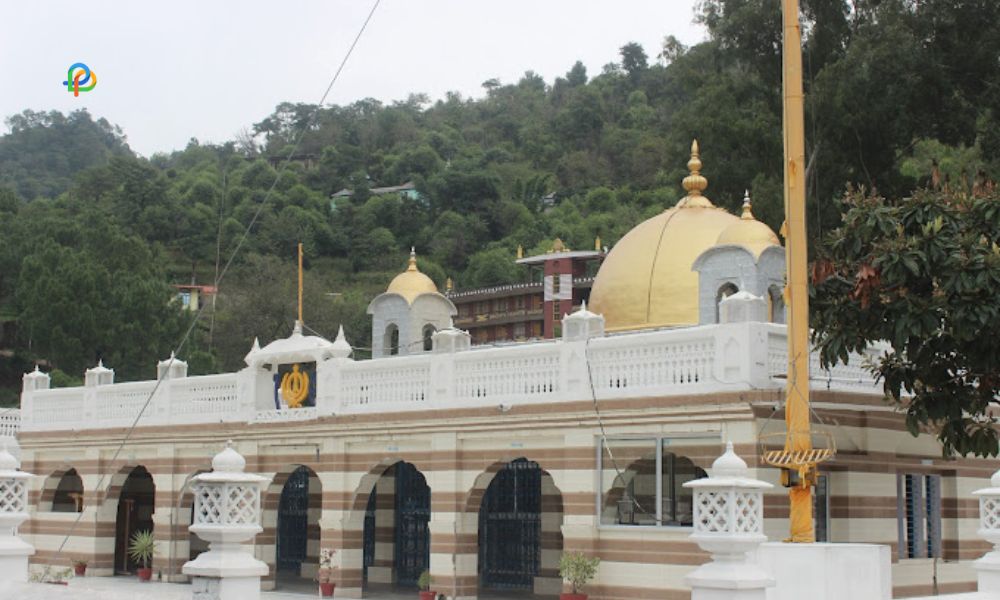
x=629, y=365
x=205, y=397
x=529, y=373
x=694, y=360
x=852, y=377
x=10, y=422
x=391, y=384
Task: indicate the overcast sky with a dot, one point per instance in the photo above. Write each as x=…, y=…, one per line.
x=172, y=70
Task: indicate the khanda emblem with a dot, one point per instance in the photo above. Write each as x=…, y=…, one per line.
x=295, y=387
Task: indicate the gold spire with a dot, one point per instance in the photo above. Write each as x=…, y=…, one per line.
x=413, y=260
x=597, y=243
x=520, y=251
x=747, y=212
x=448, y=285
x=694, y=183
x=558, y=246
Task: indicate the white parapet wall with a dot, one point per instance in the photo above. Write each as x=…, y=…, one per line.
x=827, y=571
x=691, y=360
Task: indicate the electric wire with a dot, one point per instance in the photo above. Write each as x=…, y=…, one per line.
x=221, y=275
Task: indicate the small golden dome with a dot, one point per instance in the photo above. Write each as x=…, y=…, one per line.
x=749, y=232
x=411, y=282
x=646, y=280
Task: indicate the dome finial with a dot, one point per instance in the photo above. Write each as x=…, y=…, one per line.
x=747, y=212
x=694, y=183
x=413, y=260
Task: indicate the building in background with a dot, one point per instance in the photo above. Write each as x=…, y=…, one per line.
x=559, y=282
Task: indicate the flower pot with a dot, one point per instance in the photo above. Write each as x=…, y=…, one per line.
x=326, y=588
x=572, y=596
x=145, y=574
x=428, y=594
x=80, y=569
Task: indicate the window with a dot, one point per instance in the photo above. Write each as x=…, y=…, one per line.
x=429, y=331
x=821, y=508
x=390, y=341
x=556, y=315
x=68, y=496
x=775, y=305
x=727, y=290
x=519, y=330
x=555, y=285
x=519, y=302
x=642, y=479
x=918, y=504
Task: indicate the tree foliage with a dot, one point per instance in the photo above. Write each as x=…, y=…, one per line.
x=922, y=275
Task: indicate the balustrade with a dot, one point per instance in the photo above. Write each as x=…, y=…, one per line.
x=693, y=360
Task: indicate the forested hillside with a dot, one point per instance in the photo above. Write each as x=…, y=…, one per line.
x=92, y=235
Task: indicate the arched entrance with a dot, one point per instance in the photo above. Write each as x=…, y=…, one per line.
x=135, y=513
x=396, y=538
x=292, y=540
x=518, y=539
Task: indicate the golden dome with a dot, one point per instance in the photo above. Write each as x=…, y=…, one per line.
x=749, y=232
x=411, y=282
x=646, y=280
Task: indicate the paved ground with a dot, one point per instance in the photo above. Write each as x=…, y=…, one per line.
x=129, y=588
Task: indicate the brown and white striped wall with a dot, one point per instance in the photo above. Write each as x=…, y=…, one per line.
x=460, y=451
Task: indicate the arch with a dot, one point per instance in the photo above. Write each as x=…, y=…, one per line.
x=292, y=506
x=389, y=517
x=62, y=492
x=514, y=512
x=725, y=290
x=134, y=500
x=390, y=340
x=775, y=304
x=428, y=336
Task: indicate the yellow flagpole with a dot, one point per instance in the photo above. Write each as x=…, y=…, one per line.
x=300, y=282
x=798, y=438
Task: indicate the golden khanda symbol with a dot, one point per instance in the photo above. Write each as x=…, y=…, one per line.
x=295, y=387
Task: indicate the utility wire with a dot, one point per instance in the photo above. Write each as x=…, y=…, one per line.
x=246, y=233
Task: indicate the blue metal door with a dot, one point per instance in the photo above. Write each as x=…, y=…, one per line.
x=293, y=519
x=413, y=511
x=510, y=527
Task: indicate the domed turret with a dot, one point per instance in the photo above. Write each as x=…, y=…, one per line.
x=749, y=232
x=411, y=283
x=646, y=280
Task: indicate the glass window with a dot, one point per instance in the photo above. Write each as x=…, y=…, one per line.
x=821, y=508
x=555, y=284
x=919, y=515
x=642, y=479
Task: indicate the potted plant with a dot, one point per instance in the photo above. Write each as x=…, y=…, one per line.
x=325, y=572
x=141, y=549
x=578, y=570
x=79, y=567
x=424, y=583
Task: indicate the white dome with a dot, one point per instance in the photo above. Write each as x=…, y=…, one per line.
x=229, y=461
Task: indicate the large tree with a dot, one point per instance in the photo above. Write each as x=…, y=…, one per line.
x=923, y=276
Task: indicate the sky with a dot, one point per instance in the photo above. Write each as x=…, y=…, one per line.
x=172, y=70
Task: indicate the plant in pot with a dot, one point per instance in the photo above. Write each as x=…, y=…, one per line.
x=578, y=570
x=325, y=572
x=424, y=583
x=79, y=567
x=141, y=549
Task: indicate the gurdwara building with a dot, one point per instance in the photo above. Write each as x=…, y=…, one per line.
x=482, y=464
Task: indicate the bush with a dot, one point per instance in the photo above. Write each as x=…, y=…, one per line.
x=578, y=569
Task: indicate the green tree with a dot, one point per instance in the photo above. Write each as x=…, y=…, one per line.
x=921, y=274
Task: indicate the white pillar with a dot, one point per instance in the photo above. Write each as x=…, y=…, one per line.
x=729, y=523
x=227, y=515
x=14, y=551
x=988, y=567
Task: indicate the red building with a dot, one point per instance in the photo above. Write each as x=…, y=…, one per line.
x=560, y=280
